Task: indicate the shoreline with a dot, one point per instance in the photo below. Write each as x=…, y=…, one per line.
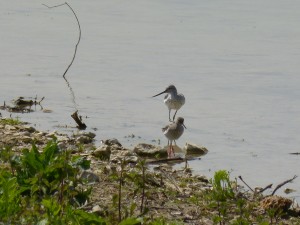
x=173, y=195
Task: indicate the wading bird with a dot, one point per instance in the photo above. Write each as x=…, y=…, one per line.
x=172, y=132
x=173, y=100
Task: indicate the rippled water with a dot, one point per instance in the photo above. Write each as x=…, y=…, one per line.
x=236, y=62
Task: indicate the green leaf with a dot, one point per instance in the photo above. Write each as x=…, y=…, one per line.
x=49, y=151
x=88, y=218
x=52, y=206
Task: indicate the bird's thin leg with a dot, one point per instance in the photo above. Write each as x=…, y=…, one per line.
x=173, y=148
x=186, y=164
x=174, y=115
x=168, y=150
x=170, y=115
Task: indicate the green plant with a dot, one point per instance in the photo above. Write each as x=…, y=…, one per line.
x=10, y=121
x=162, y=221
x=243, y=211
x=44, y=188
x=220, y=195
x=10, y=198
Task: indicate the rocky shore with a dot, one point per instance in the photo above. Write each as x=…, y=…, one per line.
x=173, y=196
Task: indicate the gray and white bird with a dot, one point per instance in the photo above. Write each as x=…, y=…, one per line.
x=172, y=132
x=172, y=100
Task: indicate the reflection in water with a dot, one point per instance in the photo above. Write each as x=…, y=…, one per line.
x=72, y=94
x=75, y=116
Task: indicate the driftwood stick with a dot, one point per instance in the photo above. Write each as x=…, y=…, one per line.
x=265, y=188
x=240, y=177
x=50, y=7
x=78, y=120
x=295, y=153
x=177, y=159
x=283, y=183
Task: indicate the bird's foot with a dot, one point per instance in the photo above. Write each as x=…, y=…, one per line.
x=172, y=152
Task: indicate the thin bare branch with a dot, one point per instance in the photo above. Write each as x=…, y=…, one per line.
x=283, y=183
x=51, y=7
x=265, y=188
x=240, y=177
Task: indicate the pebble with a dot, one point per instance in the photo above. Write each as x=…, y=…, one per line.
x=89, y=176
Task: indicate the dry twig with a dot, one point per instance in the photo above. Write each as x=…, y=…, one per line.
x=265, y=188
x=283, y=183
x=78, y=120
x=240, y=177
x=50, y=7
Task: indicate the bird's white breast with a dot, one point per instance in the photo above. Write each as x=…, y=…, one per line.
x=175, y=133
x=174, y=102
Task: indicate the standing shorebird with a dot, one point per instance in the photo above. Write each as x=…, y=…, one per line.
x=173, y=100
x=173, y=131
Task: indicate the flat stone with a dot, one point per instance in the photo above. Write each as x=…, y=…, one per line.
x=29, y=129
x=195, y=150
x=125, y=154
x=9, y=127
x=151, y=151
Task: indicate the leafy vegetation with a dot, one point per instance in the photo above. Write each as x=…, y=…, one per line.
x=43, y=186
x=10, y=121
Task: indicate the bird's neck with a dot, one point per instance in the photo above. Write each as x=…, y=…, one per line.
x=173, y=93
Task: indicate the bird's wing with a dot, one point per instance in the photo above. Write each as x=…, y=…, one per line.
x=165, y=128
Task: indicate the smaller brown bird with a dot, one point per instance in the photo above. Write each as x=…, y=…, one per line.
x=173, y=131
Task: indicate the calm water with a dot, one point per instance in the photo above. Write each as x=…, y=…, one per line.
x=236, y=62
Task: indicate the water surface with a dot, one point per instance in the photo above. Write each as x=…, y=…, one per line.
x=237, y=63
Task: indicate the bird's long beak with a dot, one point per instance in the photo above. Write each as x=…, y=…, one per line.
x=159, y=94
x=184, y=126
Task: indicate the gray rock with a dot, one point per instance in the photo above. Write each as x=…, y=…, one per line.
x=195, y=150
x=26, y=139
x=97, y=209
x=29, y=129
x=84, y=140
x=62, y=138
x=111, y=142
x=90, y=134
x=151, y=151
x=103, y=152
x=127, y=155
x=9, y=127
